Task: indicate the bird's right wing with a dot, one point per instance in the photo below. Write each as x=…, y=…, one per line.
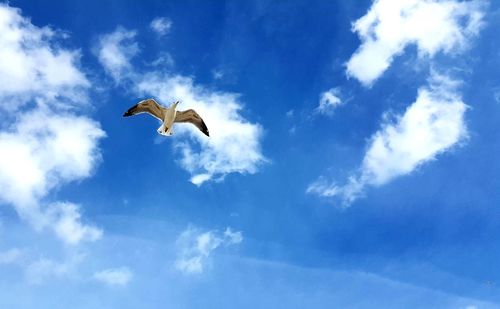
x=149, y=106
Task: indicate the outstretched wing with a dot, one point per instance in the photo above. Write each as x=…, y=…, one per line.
x=192, y=117
x=149, y=106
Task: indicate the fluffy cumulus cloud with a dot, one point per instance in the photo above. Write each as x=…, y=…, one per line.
x=42, y=151
x=114, y=276
x=48, y=142
x=115, y=50
x=234, y=142
x=31, y=68
x=431, y=125
x=434, y=123
x=67, y=223
x=329, y=101
x=432, y=25
x=195, y=247
x=161, y=25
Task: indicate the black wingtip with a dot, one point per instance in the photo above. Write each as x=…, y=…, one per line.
x=130, y=111
x=204, y=129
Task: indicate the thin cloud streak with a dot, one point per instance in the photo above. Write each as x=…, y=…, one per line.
x=114, y=276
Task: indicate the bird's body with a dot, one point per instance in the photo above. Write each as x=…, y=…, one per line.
x=168, y=121
x=168, y=116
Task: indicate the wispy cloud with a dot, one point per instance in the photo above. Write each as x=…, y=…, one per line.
x=496, y=94
x=389, y=26
x=11, y=256
x=431, y=125
x=44, y=269
x=164, y=59
x=217, y=74
x=114, y=276
x=329, y=101
x=234, y=144
x=161, y=25
x=49, y=143
x=115, y=50
x=195, y=247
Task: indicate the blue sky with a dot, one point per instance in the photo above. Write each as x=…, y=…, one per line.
x=351, y=162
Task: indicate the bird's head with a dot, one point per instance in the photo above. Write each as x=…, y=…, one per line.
x=174, y=105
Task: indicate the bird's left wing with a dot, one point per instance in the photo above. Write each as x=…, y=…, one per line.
x=192, y=117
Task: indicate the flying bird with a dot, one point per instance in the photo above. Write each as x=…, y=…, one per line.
x=168, y=116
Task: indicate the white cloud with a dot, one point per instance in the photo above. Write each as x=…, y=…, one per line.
x=347, y=193
x=434, y=123
x=233, y=237
x=40, y=152
x=432, y=25
x=11, y=256
x=329, y=101
x=195, y=247
x=496, y=94
x=430, y=126
x=46, y=144
x=164, y=60
x=67, y=224
x=114, y=276
x=218, y=74
x=234, y=142
x=31, y=68
x=43, y=269
x=115, y=50
x=161, y=25
x=43, y=149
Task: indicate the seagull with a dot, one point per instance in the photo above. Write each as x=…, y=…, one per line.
x=168, y=116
